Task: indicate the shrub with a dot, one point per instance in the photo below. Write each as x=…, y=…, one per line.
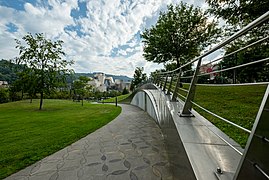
x=3, y=95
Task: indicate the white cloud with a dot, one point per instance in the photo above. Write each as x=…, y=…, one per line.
x=108, y=25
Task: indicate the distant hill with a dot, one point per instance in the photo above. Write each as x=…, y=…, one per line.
x=8, y=73
x=121, y=77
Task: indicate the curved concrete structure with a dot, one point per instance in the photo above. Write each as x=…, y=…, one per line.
x=195, y=147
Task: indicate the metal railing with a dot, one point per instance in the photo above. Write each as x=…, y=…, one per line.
x=171, y=81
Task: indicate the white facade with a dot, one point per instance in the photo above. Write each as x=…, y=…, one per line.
x=102, y=83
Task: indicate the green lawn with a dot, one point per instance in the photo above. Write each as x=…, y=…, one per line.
x=120, y=98
x=239, y=104
x=28, y=135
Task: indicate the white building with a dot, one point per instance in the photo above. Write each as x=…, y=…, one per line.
x=103, y=83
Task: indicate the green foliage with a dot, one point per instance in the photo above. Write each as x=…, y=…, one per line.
x=28, y=135
x=139, y=77
x=63, y=94
x=119, y=98
x=45, y=69
x=4, y=96
x=255, y=73
x=125, y=91
x=180, y=34
x=80, y=87
x=7, y=71
x=238, y=12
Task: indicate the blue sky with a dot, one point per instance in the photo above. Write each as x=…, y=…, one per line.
x=100, y=35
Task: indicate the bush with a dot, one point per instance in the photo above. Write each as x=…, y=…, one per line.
x=125, y=91
x=3, y=95
x=58, y=95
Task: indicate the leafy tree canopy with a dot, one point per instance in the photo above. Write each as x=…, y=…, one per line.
x=81, y=87
x=139, y=77
x=238, y=12
x=179, y=35
x=46, y=66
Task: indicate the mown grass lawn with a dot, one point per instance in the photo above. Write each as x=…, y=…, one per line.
x=239, y=104
x=28, y=135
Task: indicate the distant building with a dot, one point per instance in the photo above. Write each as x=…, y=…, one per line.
x=207, y=68
x=3, y=84
x=103, y=83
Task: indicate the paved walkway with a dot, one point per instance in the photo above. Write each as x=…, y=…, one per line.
x=129, y=147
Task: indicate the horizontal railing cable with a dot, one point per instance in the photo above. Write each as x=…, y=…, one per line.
x=186, y=77
x=241, y=49
x=241, y=32
x=182, y=96
x=242, y=84
x=221, y=118
x=235, y=67
x=261, y=170
x=183, y=90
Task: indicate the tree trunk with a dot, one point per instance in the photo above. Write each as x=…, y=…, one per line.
x=21, y=94
x=82, y=101
x=41, y=100
x=178, y=63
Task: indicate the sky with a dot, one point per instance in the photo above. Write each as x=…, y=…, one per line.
x=99, y=35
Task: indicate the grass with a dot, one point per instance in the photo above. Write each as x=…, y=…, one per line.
x=238, y=104
x=120, y=98
x=28, y=135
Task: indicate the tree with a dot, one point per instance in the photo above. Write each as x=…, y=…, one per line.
x=3, y=95
x=125, y=91
x=8, y=71
x=46, y=68
x=139, y=77
x=255, y=73
x=180, y=34
x=80, y=87
x=238, y=12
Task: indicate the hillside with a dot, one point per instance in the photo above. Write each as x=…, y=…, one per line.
x=122, y=77
x=8, y=73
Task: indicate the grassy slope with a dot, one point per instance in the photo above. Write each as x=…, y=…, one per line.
x=120, y=98
x=239, y=104
x=28, y=135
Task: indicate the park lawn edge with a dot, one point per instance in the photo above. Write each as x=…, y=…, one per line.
x=28, y=157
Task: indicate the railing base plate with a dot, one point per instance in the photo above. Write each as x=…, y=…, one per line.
x=185, y=115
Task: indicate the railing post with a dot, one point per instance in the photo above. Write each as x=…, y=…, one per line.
x=170, y=85
x=165, y=82
x=254, y=162
x=188, y=104
x=174, y=97
x=157, y=80
x=160, y=81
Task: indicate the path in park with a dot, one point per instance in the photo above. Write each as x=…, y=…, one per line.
x=129, y=147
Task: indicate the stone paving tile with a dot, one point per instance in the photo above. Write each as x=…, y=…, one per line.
x=130, y=147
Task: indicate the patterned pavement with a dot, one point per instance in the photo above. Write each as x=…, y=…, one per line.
x=129, y=147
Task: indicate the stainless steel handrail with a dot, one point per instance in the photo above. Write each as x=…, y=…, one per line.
x=221, y=118
x=261, y=170
x=238, y=50
x=189, y=99
x=235, y=67
x=241, y=84
x=244, y=30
